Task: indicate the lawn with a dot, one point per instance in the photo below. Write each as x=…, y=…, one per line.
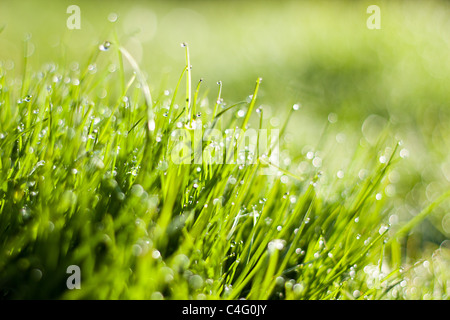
x=224, y=150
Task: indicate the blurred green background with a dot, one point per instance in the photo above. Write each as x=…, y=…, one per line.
x=352, y=83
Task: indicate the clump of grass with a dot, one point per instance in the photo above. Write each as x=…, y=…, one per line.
x=86, y=179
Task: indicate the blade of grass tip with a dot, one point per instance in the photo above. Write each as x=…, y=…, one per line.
x=89, y=141
x=261, y=116
x=92, y=58
x=135, y=124
x=225, y=110
x=219, y=83
x=286, y=172
x=179, y=115
x=252, y=103
x=146, y=90
x=246, y=119
x=175, y=92
x=196, y=96
x=380, y=264
x=116, y=106
x=188, y=82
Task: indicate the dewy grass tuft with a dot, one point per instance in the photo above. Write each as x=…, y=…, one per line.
x=91, y=180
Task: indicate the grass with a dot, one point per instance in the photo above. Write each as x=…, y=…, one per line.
x=87, y=179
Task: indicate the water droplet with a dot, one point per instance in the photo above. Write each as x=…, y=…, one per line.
x=332, y=117
x=183, y=44
x=151, y=125
x=56, y=78
x=105, y=46
x=196, y=282
x=136, y=249
x=383, y=229
x=156, y=254
x=25, y=212
x=317, y=162
x=21, y=127
x=228, y=289
x=404, y=153
x=296, y=106
x=112, y=17
x=277, y=244
x=36, y=274
x=298, y=288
